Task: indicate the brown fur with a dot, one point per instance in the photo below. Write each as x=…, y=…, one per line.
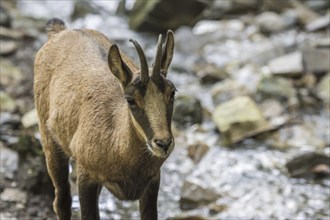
x=83, y=114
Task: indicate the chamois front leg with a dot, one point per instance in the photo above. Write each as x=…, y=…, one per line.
x=58, y=169
x=88, y=196
x=148, y=201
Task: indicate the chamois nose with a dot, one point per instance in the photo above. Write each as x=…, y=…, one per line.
x=163, y=144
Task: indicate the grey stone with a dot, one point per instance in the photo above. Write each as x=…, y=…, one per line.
x=277, y=87
x=270, y=22
x=6, y=102
x=160, y=15
x=194, y=195
x=187, y=111
x=239, y=118
x=317, y=60
x=309, y=165
x=289, y=64
x=30, y=118
x=197, y=151
x=14, y=195
x=320, y=23
x=8, y=161
x=8, y=46
x=323, y=89
x=10, y=74
x=226, y=90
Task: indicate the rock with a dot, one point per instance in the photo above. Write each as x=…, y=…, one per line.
x=82, y=8
x=239, y=118
x=270, y=22
x=277, y=6
x=160, y=15
x=297, y=136
x=319, y=5
x=304, y=13
x=318, y=24
x=6, y=102
x=187, y=111
x=226, y=90
x=8, y=46
x=218, y=9
x=273, y=112
x=194, y=195
x=323, y=89
x=4, y=17
x=309, y=165
x=212, y=74
x=8, y=161
x=197, y=151
x=30, y=118
x=278, y=88
x=187, y=216
x=10, y=74
x=14, y=195
x=316, y=60
x=289, y=64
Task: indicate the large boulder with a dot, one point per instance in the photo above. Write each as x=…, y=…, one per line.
x=239, y=118
x=160, y=15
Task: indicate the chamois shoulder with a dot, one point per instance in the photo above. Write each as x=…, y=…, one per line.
x=54, y=26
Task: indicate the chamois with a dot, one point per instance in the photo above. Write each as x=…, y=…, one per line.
x=114, y=119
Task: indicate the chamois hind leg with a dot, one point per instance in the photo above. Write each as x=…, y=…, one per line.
x=58, y=170
x=148, y=201
x=89, y=192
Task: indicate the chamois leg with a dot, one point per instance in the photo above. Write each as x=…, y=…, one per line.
x=148, y=201
x=88, y=196
x=58, y=170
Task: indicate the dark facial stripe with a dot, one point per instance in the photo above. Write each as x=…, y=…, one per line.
x=142, y=119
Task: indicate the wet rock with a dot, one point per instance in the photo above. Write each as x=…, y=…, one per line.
x=239, y=118
x=278, y=88
x=6, y=102
x=309, y=165
x=270, y=22
x=316, y=60
x=226, y=90
x=289, y=64
x=197, y=151
x=14, y=195
x=30, y=118
x=318, y=24
x=323, y=89
x=160, y=15
x=8, y=161
x=194, y=195
x=10, y=74
x=187, y=111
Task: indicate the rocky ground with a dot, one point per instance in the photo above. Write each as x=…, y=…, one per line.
x=251, y=116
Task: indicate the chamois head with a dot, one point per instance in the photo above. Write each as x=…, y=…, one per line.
x=150, y=95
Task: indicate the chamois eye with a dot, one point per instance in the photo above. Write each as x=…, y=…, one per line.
x=131, y=101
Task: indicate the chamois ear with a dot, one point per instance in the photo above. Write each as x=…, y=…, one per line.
x=168, y=50
x=118, y=67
